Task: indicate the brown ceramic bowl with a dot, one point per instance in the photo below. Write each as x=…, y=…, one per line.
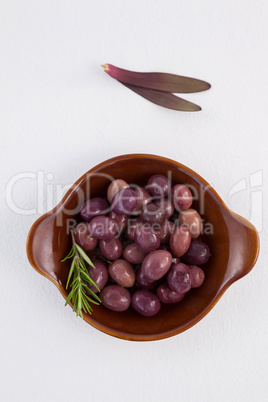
x=234, y=246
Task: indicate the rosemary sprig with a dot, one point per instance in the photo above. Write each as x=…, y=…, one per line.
x=81, y=280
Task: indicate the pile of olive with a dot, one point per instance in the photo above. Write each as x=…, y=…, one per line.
x=141, y=235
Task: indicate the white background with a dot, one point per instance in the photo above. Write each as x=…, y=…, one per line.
x=61, y=114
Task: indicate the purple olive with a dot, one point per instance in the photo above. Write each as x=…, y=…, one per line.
x=156, y=264
x=151, y=213
x=102, y=227
x=114, y=187
x=83, y=238
x=158, y=185
x=122, y=221
x=146, y=303
x=143, y=281
x=191, y=219
x=168, y=296
x=197, y=254
x=111, y=249
x=122, y=273
x=165, y=231
x=99, y=275
x=133, y=224
x=115, y=298
x=198, y=275
x=143, y=197
x=179, y=278
x=181, y=197
x=179, y=241
x=94, y=207
x=166, y=206
x=124, y=201
x=146, y=238
x=133, y=254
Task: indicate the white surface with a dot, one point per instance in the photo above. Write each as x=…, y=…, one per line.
x=61, y=114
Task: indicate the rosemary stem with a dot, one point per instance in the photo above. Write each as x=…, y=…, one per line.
x=81, y=280
x=72, y=234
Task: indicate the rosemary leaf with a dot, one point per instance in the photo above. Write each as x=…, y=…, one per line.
x=69, y=298
x=84, y=255
x=88, y=288
x=93, y=294
x=73, y=264
x=79, y=280
x=92, y=301
x=70, y=255
x=87, y=306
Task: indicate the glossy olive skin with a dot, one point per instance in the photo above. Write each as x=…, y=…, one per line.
x=143, y=281
x=145, y=303
x=114, y=187
x=197, y=254
x=152, y=213
x=168, y=296
x=181, y=197
x=102, y=227
x=180, y=241
x=124, y=201
x=179, y=278
x=198, y=276
x=143, y=197
x=94, y=207
x=83, y=238
x=111, y=249
x=122, y=221
x=191, y=219
x=133, y=254
x=165, y=231
x=122, y=273
x=156, y=264
x=146, y=238
x=158, y=185
x=133, y=224
x=99, y=275
x=115, y=298
x=166, y=206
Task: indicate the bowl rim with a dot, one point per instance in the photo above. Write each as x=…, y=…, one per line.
x=203, y=183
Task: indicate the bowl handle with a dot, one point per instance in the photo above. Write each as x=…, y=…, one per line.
x=244, y=247
x=42, y=247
